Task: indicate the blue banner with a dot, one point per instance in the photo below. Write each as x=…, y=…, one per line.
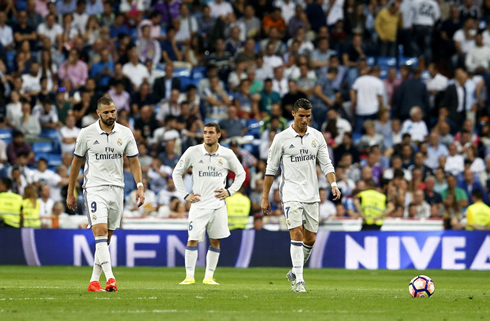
x=351, y=250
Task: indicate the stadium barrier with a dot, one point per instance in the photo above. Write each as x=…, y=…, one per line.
x=452, y=250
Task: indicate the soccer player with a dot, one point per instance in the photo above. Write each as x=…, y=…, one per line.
x=297, y=150
x=103, y=145
x=210, y=164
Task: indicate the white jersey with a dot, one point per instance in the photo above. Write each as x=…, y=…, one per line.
x=209, y=173
x=427, y=12
x=297, y=157
x=104, y=154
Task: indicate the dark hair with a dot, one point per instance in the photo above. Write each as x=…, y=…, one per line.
x=477, y=193
x=303, y=104
x=105, y=100
x=7, y=182
x=333, y=70
x=370, y=182
x=215, y=125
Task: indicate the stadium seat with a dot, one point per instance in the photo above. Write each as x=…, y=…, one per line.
x=186, y=81
x=39, y=155
x=53, y=159
x=386, y=62
x=45, y=147
x=181, y=72
x=414, y=62
x=198, y=73
x=10, y=60
x=53, y=135
x=254, y=128
x=5, y=134
x=371, y=61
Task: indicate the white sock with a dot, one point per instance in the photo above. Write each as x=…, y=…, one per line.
x=190, y=260
x=97, y=271
x=306, y=252
x=103, y=256
x=297, y=258
x=211, y=261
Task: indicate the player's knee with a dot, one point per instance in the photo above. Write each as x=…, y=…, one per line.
x=192, y=243
x=309, y=240
x=214, y=243
x=99, y=230
x=296, y=234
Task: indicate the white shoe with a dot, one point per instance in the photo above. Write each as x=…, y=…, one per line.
x=299, y=287
x=292, y=278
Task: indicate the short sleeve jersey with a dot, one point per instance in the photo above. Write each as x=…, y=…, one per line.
x=104, y=154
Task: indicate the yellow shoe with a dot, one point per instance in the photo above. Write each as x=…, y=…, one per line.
x=188, y=281
x=210, y=281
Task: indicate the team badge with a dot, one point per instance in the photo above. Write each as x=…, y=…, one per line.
x=119, y=141
x=94, y=217
x=313, y=143
x=220, y=161
x=181, y=163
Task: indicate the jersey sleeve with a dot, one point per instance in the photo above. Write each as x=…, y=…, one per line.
x=131, y=148
x=324, y=157
x=237, y=168
x=274, y=157
x=81, y=145
x=179, y=170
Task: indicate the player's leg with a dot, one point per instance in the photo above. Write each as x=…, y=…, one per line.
x=296, y=251
x=308, y=242
x=312, y=214
x=198, y=218
x=217, y=230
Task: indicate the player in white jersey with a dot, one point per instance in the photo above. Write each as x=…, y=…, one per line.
x=297, y=150
x=103, y=145
x=210, y=164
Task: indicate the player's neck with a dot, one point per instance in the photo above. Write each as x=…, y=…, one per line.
x=104, y=127
x=299, y=131
x=211, y=149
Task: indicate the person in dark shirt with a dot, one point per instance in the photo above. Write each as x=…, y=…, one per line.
x=347, y=147
x=290, y=98
x=142, y=98
x=146, y=123
x=22, y=31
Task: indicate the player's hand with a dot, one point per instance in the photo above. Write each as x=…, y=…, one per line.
x=140, y=196
x=71, y=202
x=265, y=205
x=221, y=194
x=193, y=198
x=336, y=193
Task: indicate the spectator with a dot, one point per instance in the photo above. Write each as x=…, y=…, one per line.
x=6, y=33
x=149, y=207
x=171, y=49
x=28, y=123
x=422, y=207
x=459, y=194
x=120, y=97
x=324, y=96
x=169, y=156
x=386, y=25
x=74, y=69
x=147, y=122
x=135, y=70
x=268, y=97
x=436, y=87
x=427, y=13
x=50, y=29
x=412, y=92
x=479, y=55
x=47, y=114
x=142, y=98
x=415, y=126
x=454, y=161
x=163, y=86
x=366, y=97
x=464, y=40
x=274, y=20
x=327, y=208
x=69, y=134
x=469, y=184
x=45, y=199
x=232, y=126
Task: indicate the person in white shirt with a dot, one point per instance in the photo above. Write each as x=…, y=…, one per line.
x=220, y=9
x=464, y=40
x=279, y=82
x=69, y=134
x=427, y=13
x=270, y=58
x=210, y=164
x=327, y=208
x=367, y=96
x=6, y=32
x=454, y=161
x=436, y=86
x=415, y=126
x=31, y=82
x=478, y=56
x=296, y=150
x=103, y=145
x=134, y=70
x=50, y=29
x=46, y=201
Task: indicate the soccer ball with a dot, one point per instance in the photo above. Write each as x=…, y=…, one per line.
x=421, y=286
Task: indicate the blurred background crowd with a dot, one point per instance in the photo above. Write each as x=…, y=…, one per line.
x=399, y=90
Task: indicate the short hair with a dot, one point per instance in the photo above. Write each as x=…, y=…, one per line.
x=370, y=182
x=215, y=125
x=105, y=100
x=477, y=193
x=7, y=182
x=333, y=70
x=303, y=104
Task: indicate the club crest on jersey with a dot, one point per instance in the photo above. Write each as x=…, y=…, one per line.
x=313, y=143
x=119, y=142
x=181, y=163
x=220, y=161
x=94, y=217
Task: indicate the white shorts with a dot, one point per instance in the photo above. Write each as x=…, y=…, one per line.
x=212, y=220
x=299, y=213
x=104, y=205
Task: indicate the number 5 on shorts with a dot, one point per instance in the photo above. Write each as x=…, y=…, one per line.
x=93, y=207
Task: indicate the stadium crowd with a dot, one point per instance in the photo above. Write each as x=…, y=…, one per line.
x=399, y=89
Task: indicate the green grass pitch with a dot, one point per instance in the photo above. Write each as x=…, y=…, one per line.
x=60, y=293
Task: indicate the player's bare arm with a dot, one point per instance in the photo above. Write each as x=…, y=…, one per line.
x=76, y=164
x=134, y=162
x=333, y=182
x=265, y=205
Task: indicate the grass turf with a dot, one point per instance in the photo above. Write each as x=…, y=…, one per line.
x=60, y=293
